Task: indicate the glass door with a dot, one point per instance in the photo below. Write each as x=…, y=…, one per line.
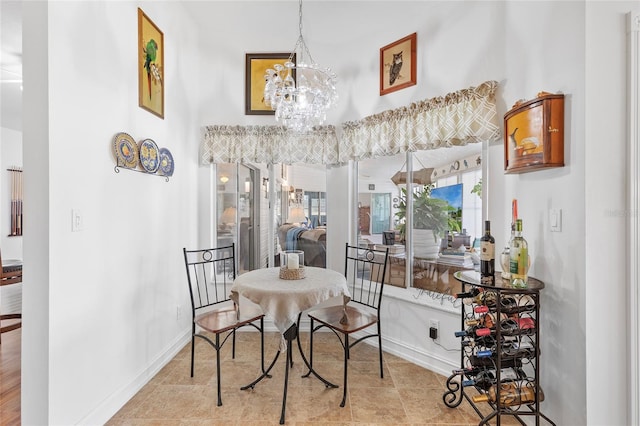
x=380, y=213
x=237, y=213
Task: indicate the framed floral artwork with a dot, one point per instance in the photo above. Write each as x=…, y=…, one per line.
x=150, y=66
x=256, y=67
x=398, y=64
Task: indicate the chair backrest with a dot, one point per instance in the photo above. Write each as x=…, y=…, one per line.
x=365, y=270
x=210, y=274
x=388, y=238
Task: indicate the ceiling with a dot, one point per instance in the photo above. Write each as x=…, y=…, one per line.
x=11, y=93
x=11, y=64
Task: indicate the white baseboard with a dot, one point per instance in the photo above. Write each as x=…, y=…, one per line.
x=103, y=412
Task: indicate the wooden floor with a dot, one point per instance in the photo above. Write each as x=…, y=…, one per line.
x=408, y=394
x=10, y=378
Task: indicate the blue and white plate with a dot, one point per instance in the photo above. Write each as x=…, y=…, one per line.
x=166, y=163
x=149, y=156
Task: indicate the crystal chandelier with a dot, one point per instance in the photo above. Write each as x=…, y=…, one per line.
x=301, y=104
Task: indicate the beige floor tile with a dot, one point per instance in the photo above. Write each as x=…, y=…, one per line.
x=407, y=395
x=412, y=376
x=378, y=405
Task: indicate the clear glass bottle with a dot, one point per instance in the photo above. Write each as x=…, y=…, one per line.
x=519, y=258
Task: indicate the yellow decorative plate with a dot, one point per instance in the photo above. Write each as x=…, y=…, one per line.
x=126, y=151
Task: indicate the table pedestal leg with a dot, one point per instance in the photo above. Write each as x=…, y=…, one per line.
x=289, y=335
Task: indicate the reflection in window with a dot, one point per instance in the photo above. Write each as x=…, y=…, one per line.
x=382, y=211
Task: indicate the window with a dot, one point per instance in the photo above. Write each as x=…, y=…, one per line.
x=382, y=208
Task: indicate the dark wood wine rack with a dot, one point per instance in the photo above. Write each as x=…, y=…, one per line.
x=504, y=356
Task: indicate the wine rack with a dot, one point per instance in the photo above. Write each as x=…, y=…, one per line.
x=500, y=353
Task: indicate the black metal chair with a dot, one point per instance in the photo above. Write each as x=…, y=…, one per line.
x=364, y=270
x=210, y=274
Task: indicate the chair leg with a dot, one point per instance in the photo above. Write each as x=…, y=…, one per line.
x=218, y=367
x=380, y=350
x=262, y=343
x=346, y=363
x=311, y=345
x=233, y=345
x=193, y=344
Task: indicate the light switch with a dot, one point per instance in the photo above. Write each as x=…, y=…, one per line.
x=77, y=221
x=555, y=220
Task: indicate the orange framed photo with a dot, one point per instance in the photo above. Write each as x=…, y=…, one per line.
x=398, y=64
x=150, y=66
x=256, y=67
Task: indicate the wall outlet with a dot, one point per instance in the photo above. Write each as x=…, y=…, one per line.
x=178, y=313
x=434, y=327
x=77, y=221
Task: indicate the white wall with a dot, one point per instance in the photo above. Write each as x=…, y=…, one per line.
x=605, y=306
x=549, y=60
x=109, y=293
x=111, y=290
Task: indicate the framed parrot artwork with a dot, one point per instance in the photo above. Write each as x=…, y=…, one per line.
x=150, y=66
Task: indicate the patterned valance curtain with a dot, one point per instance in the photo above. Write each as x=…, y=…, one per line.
x=459, y=118
x=268, y=144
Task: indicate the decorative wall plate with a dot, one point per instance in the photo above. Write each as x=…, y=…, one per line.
x=166, y=163
x=149, y=156
x=126, y=151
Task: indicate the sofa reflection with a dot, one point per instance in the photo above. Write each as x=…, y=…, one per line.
x=311, y=241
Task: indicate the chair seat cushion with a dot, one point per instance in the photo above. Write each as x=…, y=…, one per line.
x=357, y=319
x=225, y=319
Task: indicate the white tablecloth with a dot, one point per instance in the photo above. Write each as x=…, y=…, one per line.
x=282, y=300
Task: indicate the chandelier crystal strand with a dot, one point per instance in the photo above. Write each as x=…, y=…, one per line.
x=303, y=104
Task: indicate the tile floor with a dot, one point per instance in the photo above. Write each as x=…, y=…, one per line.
x=408, y=394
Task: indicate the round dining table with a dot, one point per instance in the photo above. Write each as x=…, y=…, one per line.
x=283, y=301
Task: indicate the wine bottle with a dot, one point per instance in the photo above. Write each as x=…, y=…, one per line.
x=486, y=298
x=510, y=394
x=519, y=258
x=512, y=305
x=484, y=379
x=481, y=309
x=487, y=256
x=470, y=331
x=490, y=362
x=489, y=320
x=473, y=292
x=510, y=327
x=469, y=371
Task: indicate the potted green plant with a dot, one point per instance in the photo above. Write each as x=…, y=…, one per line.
x=430, y=220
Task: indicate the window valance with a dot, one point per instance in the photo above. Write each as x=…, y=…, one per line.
x=269, y=144
x=458, y=118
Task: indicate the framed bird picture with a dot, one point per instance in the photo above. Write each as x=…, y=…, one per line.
x=398, y=64
x=150, y=66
